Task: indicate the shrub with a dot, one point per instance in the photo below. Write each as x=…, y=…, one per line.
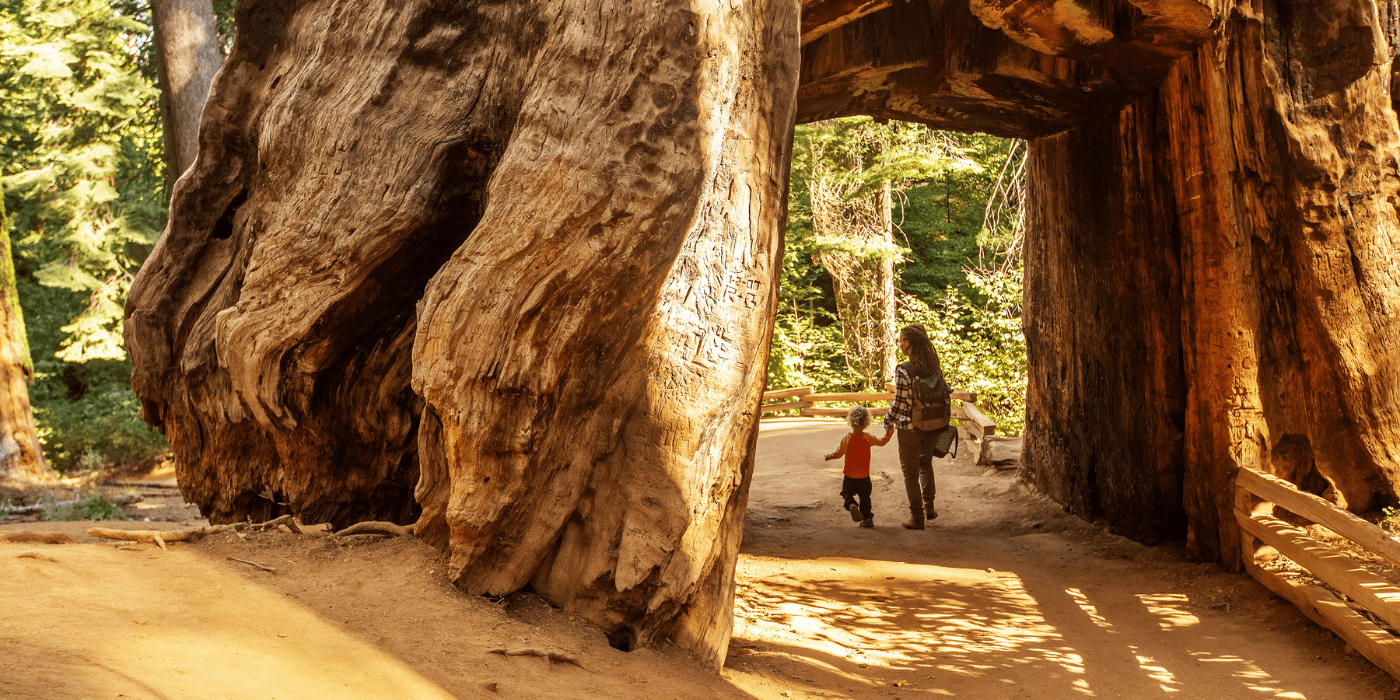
x=93, y=506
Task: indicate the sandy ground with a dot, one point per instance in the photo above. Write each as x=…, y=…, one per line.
x=1003, y=597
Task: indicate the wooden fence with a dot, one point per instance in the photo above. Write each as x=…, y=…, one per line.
x=1264, y=537
x=804, y=400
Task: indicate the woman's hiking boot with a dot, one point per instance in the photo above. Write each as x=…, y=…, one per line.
x=914, y=523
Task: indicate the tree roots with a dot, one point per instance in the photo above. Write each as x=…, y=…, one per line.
x=160, y=537
x=558, y=657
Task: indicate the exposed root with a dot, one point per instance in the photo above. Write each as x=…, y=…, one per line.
x=287, y=520
x=553, y=656
x=36, y=537
x=160, y=537
x=374, y=527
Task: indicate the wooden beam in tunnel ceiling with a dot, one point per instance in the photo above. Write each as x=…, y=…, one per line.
x=820, y=17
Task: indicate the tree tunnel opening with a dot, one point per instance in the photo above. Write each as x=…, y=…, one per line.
x=893, y=223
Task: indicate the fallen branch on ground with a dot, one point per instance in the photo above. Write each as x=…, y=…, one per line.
x=374, y=527
x=252, y=563
x=36, y=537
x=159, y=537
x=554, y=656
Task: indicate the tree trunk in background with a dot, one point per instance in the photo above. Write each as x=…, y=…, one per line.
x=21, y=456
x=188, y=59
x=1256, y=189
x=565, y=231
x=889, y=317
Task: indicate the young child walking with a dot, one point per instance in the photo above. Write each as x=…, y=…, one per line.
x=855, y=447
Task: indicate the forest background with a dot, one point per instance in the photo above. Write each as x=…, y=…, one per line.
x=889, y=224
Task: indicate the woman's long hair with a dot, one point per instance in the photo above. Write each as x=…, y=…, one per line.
x=923, y=359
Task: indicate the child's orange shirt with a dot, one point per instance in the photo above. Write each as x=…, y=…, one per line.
x=858, y=456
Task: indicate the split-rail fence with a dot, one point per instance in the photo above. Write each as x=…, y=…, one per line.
x=804, y=400
x=1370, y=607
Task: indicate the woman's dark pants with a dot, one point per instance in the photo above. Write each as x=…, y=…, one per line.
x=916, y=461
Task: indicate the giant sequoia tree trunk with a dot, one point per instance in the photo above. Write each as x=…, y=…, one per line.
x=560, y=220
x=1267, y=217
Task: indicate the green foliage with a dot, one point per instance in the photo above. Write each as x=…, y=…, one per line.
x=982, y=348
x=81, y=140
x=961, y=281
x=1390, y=520
x=84, y=183
x=806, y=353
x=94, y=506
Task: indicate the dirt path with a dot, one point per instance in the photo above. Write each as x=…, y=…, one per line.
x=1004, y=597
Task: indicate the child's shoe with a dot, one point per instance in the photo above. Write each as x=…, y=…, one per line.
x=854, y=510
x=868, y=522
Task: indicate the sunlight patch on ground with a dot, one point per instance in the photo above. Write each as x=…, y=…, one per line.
x=1170, y=608
x=1089, y=609
x=890, y=616
x=1158, y=673
x=1249, y=673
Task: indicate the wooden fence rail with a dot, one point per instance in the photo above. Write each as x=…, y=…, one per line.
x=1264, y=536
x=803, y=399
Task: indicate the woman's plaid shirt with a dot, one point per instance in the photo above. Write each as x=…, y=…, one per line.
x=901, y=409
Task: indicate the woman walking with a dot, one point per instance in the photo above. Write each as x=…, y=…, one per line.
x=916, y=447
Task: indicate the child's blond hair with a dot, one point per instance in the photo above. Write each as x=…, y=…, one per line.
x=858, y=418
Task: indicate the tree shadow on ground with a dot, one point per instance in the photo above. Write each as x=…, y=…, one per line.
x=868, y=628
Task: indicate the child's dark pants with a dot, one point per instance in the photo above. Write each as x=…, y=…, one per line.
x=851, y=488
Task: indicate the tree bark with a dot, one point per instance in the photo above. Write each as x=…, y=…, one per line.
x=1270, y=209
x=21, y=456
x=562, y=222
x=188, y=58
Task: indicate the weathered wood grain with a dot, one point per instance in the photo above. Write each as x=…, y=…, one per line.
x=559, y=221
x=598, y=447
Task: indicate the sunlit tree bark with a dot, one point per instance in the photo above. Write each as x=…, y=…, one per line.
x=21, y=457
